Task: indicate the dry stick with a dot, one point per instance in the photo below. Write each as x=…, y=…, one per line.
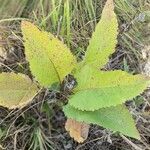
x=6, y=67
x=13, y=19
x=130, y=142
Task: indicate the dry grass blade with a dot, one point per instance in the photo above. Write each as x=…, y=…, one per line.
x=3, y=53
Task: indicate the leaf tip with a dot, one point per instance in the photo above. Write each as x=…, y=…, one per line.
x=110, y=4
x=109, y=9
x=25, y=23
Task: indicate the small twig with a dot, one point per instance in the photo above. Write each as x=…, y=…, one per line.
x=6, y=67
x=130, y=142
x=12, y=19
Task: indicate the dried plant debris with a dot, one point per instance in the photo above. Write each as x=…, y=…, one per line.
x=3, y=52
x=78, y=130
x=146, y=57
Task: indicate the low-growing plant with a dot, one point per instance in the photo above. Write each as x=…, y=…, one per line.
x=99, y=95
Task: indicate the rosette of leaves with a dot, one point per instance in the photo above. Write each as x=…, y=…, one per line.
x=100, y=95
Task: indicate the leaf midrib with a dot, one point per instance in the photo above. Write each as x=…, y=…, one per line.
x=106, y=87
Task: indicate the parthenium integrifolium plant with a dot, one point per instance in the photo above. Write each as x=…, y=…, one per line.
x=99, y=96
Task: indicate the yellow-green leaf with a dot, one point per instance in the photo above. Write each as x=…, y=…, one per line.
x=50, y=60
x=97, y=89
x=104, y=39
x=16, y=90
x=115, y=118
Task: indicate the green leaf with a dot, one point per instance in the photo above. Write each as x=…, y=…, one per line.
x=104, y=39
x=50, y=60
x=16, y=90
x=97, y=89
x=114, y=118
